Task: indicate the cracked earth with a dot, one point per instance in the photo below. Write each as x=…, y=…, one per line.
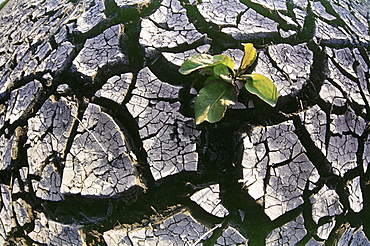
x=98, y=143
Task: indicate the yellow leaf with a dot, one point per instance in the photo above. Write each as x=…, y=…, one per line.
x=250, y=55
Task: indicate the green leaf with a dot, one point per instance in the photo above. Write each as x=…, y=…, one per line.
x=199, y=61
x=212, y=101
x=220, y=71
x=206, y=71
x=227, y=78
x=262, y=87
x=250, y=55
x=209, y=80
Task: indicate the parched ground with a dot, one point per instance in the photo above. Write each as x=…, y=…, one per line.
x=98, y=144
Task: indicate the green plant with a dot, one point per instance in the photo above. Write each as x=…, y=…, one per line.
x=221, y=87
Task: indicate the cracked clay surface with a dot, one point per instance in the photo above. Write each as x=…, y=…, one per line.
x=98, y=144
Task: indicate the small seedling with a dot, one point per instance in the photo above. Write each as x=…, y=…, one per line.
x=220, y=88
